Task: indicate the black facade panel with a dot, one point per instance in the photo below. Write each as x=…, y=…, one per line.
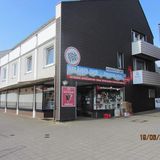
x=139, y=96
x=99, y=30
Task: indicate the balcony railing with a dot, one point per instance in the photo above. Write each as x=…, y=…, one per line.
x=146, y=78
x=145, y=49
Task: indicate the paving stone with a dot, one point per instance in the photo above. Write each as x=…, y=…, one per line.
x=116, y=139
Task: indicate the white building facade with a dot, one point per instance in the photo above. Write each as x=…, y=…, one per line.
x=27, y=74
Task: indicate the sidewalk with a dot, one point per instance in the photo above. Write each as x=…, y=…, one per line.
x=102, y=139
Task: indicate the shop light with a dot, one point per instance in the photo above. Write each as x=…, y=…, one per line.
x=65, y=82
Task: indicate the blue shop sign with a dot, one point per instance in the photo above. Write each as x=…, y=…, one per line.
x=80, y=72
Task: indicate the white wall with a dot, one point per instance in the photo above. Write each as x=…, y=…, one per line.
x=47, y=34
x=14, y=54
x=4, y=60
x=37, y=43
x=28, y=45
x=42, y=70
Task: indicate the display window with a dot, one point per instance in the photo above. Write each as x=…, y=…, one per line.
x=107, y=98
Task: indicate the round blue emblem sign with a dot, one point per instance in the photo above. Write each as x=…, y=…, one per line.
x=72, y=56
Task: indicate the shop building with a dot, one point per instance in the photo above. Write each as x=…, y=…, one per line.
x=94, y=56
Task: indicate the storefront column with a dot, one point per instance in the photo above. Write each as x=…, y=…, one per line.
x=57, y=82
x=5, y=110
x=17, y=107
x=34, y=102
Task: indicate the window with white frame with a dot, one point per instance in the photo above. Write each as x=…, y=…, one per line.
x=14, y=69
x=138, y=36
x=49, y=56
x=4, y=73
x=120, y=60
x=139, y=64
x=29, y=64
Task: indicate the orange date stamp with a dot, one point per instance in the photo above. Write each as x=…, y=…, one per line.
x=150, y=137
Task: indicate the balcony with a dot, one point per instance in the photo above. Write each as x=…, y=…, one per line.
x=146, y=78
x=145, y=50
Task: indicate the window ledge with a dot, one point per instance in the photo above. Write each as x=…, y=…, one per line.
x=48, y=65
x=28, y=72
x=3, y=80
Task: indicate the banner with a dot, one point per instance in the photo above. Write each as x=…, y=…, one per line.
x=97, y=75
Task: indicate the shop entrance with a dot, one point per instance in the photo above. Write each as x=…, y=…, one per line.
x=48, y=102
x=85, y=95
x=95, y=101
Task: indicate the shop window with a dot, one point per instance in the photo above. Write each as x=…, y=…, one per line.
x=108, y=98
x=139, y=64
x=29, y=64
x=120, y=60
x=49, y=56
x=138, y=36
x=14, y=69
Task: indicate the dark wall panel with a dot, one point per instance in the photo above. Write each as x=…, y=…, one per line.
x=99, y=29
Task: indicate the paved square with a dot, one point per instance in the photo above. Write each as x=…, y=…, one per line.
x=103, y=139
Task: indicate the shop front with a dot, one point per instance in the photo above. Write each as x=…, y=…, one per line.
x=96, y=100
x=99, y=91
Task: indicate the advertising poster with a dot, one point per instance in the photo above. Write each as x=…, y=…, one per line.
x=68, y=96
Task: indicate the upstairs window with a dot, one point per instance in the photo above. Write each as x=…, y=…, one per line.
x=138, y=36
x=120, y=60
x=4, y=73
x=14, y=69
x=29, y=64
x=49, y=56
x=139, y=64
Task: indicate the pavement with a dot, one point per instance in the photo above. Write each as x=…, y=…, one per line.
x=102, y=139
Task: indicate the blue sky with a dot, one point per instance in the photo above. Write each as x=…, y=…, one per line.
x=19, y=18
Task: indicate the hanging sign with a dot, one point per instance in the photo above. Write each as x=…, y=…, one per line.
x=68, y=96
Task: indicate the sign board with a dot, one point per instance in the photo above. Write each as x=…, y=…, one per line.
x=137, y=77
x=157, y=102
x=96, y=75
x=72, y=56
x=68, y=96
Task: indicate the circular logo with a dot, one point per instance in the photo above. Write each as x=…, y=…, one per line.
x=72, y=56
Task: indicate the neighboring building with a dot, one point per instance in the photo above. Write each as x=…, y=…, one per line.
x=27, y=69
x=93, y=56
x=2, y=53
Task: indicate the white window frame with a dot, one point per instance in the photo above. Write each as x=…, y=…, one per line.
x=14, y=72
x=135, y=64
x=29, y=71
x=45, y=56
x=4, y=78
x=140, y=36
